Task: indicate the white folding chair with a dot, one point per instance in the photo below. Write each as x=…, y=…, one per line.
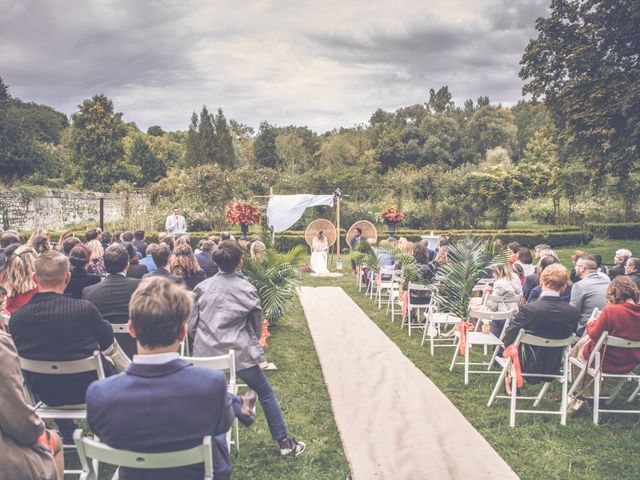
x=227, y=364
x=383, y=288
x=593, y=368
x=524, y=338
x=91, y=448
x=52, y=367
x=436, y=325
x=416, y=290
x=395, y=296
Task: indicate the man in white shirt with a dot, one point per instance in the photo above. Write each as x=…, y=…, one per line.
x=175, y=223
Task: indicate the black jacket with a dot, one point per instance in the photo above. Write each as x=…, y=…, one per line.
x=161, y=272
x=548, y=317
x=207, y=264
x=616, y=271
x=635, y=276
x=140, y=246
x=55, y=327
x=111, y=297
x=80, y=279
x=136, y=270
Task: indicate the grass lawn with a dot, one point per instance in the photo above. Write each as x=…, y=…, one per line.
x=539, y=447
x=606, y=248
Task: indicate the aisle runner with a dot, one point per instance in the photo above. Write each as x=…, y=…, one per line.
x=393, y=421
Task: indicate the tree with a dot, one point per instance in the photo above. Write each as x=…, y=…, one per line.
x=155, y=131
x=4, y=90
x=440, y=101
x=151, y=168
x=490, y=127
x=265, y=150
x=291, y=152
x=206, y=137
x=584, y=63
x=97, y=151
x=192, y=154
x=223, y=142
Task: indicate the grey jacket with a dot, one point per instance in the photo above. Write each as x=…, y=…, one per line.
x=21, y=457
x=227, y=315
x=588, y=294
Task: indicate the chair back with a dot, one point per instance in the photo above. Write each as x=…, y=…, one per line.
x=503, y=298
x=485, y=315
x=529, y=339
x=67, y=367
x=418, y=287
x=120, y=327
x=96, y=450
x=621, y=342
x=595, y=314
x=225, y=363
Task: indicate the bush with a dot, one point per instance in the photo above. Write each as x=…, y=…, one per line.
x=614, y=231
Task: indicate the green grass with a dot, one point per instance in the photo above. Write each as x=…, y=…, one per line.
x=606, y=248
x=539, y=447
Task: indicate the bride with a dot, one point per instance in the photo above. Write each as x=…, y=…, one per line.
x=319, y=250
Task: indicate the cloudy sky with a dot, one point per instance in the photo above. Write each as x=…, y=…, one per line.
x=324, y=64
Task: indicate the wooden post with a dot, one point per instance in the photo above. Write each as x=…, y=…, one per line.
x=338, y=259
x=273, y=234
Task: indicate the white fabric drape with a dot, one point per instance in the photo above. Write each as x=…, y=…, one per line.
x=285, y=210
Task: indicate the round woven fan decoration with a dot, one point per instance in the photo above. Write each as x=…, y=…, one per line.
x=317, y=225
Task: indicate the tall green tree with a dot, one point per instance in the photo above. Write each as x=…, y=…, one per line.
x=95, y=142
x=440, y=101
x=4, y=90
x=223, y=141
x=584, y=63
x=265, y=150
x=192, y=154
x=206, y=137
x=151, y=168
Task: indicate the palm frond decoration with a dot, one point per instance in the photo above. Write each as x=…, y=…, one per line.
x=276, y=277
x=468, y=257
x=409, y=267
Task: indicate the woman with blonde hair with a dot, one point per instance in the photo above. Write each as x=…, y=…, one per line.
x=63, y=236
x=186, y=266
x=97, y=252
x=17, y=276
x=257, y=249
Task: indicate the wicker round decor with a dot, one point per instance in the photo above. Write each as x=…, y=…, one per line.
x=317, y=225
x=368, y=231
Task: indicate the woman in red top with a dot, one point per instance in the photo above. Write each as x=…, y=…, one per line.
x=620, y=318
x=17, y=277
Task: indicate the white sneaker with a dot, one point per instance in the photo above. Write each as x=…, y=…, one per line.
x=295, y=449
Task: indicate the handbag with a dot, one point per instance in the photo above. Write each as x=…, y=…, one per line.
x=117, y=357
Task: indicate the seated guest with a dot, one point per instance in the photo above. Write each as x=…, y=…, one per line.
x=135, y=270
x=186, y=267
x=535, y=292
x=139, y=243
x=602, y=268
x=205, y=260
x=117, y=237
x=17, y=276
x=162, y=258
x=423, y=260
x=257, y=250
x=589, y=292
x=147, y=260
x=54, y=327
x=111, y=296
x=532, y=281
x=80, y=258
x=225, y=236
x=632, y=269
x=513, y=248
x=539, y=248
x=41, y=244
x=549, y=317
x=162, y=403
x=90, y=234
x=573, y=276
x=97, y=264
x=128, y=237
x=107, y=240
x=525, y=260
x=7, y=238
x=503, y=287
x=168, y=241
x=28, y=451
x=619, y=318
x=519, y=271
x=227, y=314
x=620, y=259
x=63, y=236
x=69, y=244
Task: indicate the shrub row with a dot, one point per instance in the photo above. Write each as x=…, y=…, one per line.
x=615, y=231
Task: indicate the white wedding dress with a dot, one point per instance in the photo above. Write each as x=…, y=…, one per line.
x=319, y=249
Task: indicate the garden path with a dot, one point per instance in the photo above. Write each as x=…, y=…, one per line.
x=393, y=421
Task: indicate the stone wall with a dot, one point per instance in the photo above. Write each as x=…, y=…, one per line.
x=27, y=209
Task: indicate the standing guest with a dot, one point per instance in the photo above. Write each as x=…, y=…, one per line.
x=69, y=244
x=514, y=248
x=162, y=258
x=127, y=237
x=80, y=259
x=549, y=317
x=573, y=276
x=41, y=244
x=147, y=260
x=161, y=402
x=589, y=292
x=205, y=259
x=28, y=451
x=632, y=269
x=135, y=270
x=7, y=238
x=111, y=296
x=139, y=242
x=107, y=240
x=17, y=276
x=175, y=223
x=227, y=315
x=620, y=259
x=63, y=236
x=186, y=267
x=90, y=234
x=54, y=327
x=97, y=265
x=525, y=260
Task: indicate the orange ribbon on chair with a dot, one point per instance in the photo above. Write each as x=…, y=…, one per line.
x=512, y=352
x=265, y=333
x=378, y=279
x=463, y=328
x=405, y=303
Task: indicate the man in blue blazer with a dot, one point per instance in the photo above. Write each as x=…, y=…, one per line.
x=163, y=403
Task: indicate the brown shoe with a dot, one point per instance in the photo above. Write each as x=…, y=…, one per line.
x=248, y=412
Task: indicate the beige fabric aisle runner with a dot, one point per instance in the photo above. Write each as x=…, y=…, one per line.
x=393, y=421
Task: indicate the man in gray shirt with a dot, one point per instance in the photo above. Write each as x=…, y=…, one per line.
x=589, y=292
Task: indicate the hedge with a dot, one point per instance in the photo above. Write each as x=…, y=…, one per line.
x=615, y=231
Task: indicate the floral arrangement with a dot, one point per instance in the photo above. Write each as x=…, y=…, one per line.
x=305, y=268
x=239, y=212
x=391, y=215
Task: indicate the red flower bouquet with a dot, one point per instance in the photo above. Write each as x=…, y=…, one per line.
x=391, y=215
x=239, y=213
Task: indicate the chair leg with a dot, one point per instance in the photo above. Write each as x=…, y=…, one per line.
x=596, y=397
x=615, y=392
x=514, y=392
x=496, y=388
x=635, y=393
x=455, y=353
x=541, y=394
x=565, y=399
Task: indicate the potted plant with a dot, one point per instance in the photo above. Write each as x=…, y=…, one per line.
x=244, y=214
x=391, y=216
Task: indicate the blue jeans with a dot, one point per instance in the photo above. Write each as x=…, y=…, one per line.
x=256, y=380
